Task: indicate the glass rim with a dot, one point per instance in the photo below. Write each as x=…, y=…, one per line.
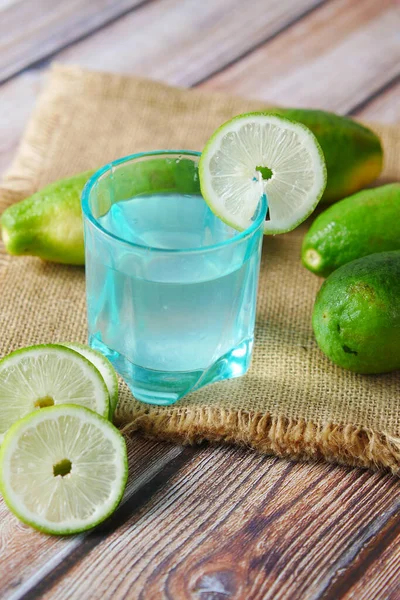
x=87, y=213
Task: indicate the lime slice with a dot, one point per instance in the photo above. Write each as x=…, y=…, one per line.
x=103, y=365
x=63, y=469
x=40, y=376
x=256, y=154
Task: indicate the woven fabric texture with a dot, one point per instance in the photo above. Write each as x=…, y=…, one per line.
x=293, y=402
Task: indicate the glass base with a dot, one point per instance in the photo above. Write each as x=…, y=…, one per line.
x=165, y=387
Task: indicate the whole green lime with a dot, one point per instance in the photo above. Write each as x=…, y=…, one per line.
x=362, y=224
x=356, y=318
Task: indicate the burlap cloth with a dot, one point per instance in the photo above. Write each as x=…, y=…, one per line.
x=293, y=402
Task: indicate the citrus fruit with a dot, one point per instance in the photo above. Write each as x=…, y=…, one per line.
x=259, y=147
x=356, y=316
x=40, y=376
x=103, y=365
x=63, y=469
x=362, y=224
x=48, y=224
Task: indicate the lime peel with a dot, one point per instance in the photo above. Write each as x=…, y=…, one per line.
x=103, y=365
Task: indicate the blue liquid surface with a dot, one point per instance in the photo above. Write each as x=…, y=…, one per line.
x=171, y=322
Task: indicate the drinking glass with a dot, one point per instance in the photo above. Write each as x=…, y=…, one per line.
x=171, y=289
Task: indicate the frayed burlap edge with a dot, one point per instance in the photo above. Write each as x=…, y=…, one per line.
x=289, y=438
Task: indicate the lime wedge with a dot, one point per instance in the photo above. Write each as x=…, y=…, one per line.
x=103, y=365
x=63, y=469
x=40, y=376
x=261, y=153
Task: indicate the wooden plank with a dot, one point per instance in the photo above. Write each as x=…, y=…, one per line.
x=235, y=524
x=27, y=556
x=334, y=59
x=183, y=42
x=175, y=42
x=30, y=31
x=384, y=108
x=184, y=58
x=377, y=573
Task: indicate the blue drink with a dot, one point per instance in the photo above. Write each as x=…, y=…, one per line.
x=171, y=289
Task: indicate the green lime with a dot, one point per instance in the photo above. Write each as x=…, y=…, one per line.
x=49, y=223
x=362, y=224
x=63, y=469
x=356, y=317
x=103, y=365
x=261, y=153
x=41, y=376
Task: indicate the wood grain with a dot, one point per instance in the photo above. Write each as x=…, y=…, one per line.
x=30, y=31
x=184, y=58
x=378, y=573
x=372, y=573
x=232, y=524
x=168, y=40
x=183, y=42
x=229, y=524
x=27, y=556
x=334, y=59
x=385, y=108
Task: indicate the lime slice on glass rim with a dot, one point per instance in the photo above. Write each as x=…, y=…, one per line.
x=261, y=153
x=39, y=376
x=63, y=469
x=103, y=365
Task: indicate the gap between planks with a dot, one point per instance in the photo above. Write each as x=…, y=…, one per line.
x=260, y=44
x=327, y=62
x=374, y=95
x=372, y=544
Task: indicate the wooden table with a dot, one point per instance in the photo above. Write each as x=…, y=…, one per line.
x=215, y=523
